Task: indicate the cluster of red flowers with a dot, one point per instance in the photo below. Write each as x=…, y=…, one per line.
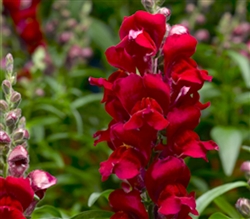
x=154, y=104
x=27, y=25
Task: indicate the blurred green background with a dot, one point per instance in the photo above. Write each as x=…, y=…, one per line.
x=63, y=111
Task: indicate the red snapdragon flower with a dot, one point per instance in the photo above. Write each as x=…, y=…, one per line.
x=16, y=194
x=141, y=35
x=166, y=181
x=24, y=15
x=127, y=205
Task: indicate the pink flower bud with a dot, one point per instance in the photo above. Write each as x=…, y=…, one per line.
x=22, y=123
x=20, y=135
x=165, y=11
x=190, y=8
x=18, y=161
x=71, y=23
x=243, y=206
x=202, y=35
x=6, y=86
x=4, y=139
x=65, y=37
x=245, y=167
x=178, y=29
x=200, y=19
x=3, y=106
x=15, y=97
x=9, y=63
x=12, y=117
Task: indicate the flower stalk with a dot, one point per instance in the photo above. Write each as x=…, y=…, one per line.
x=14, y=160
x=155, y=106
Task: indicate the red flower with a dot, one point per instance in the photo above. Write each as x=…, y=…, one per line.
x=16, y=195
x=166, y=181
x=125, y=162
x=127, y=205
x=141, y=35
x=24, y=15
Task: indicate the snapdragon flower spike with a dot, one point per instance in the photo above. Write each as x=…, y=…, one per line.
x=16, y=195
x=153, y=98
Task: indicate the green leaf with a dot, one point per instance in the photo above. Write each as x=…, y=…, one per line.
x=229, y=140
x=46, y=211
x=199, y=183
x=94, y=196
x=243, y=98
x=50, y=109
x=79, y=123
x=225, y=206
x=203, y=201
x=243, y=64
x=98, y=27
x=218, y=215
x=42, y=121
x=94, y=214
x=246, y=148
x=80, y=102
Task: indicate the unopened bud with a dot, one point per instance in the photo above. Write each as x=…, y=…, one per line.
x=9, y=63
x=6, y=86
x=15, y=98
x=3, y=106
x=245, y=167
x=12, y=117
x=20, y=135
x=165, y=11
x=18, y=161
x=243, y=206
x=4, y=140
x=22, y=123
x=65, y=37
x=148, y=4
x=178, y=29
x=202, y=35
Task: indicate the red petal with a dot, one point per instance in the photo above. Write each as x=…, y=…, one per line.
x=129, y=203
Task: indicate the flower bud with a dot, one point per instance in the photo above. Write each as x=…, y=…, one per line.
x=18, y=161
x=178, y=29
x=12, y=117
x=3, y=106
x=243, y=206
x=165, y=11
x=4, y=140
x=9, y=63
x=202, y=35
x=148, y=4
x=20, y=135
x=65, y=37
x=15, y=98
x=6, y=86
x=245, y=167
x=22, y=123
